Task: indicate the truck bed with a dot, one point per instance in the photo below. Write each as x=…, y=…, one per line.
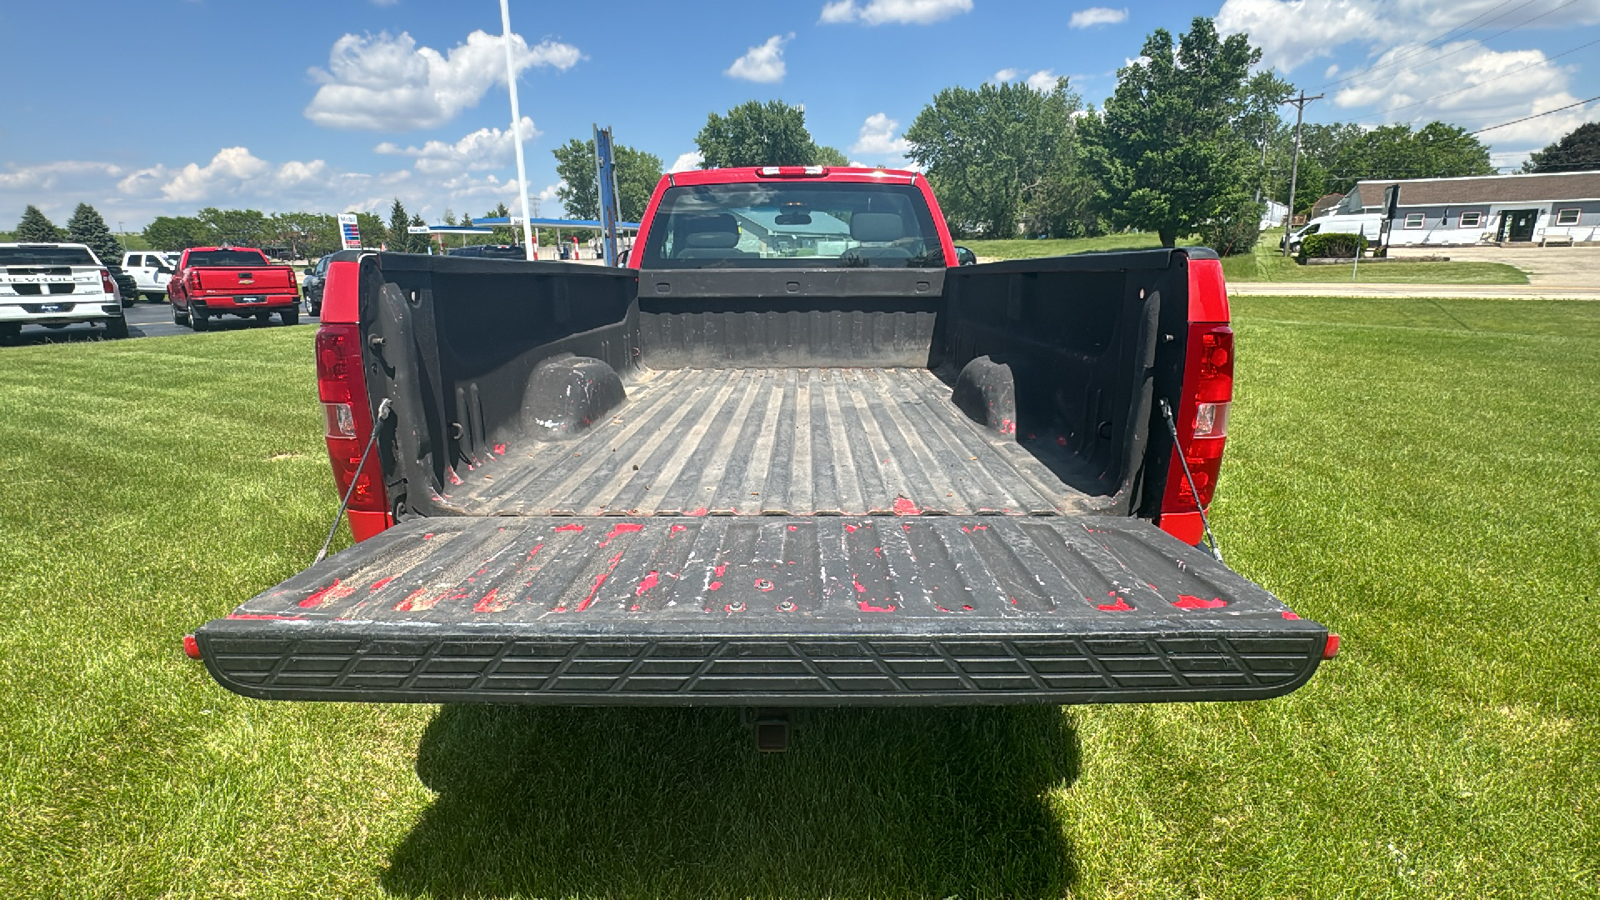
x=759, y=488
x=765, y=441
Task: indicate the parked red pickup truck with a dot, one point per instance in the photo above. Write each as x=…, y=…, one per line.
x=794, y=455
x=233, y=281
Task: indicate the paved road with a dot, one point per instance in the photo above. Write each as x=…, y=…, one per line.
x=144, y=320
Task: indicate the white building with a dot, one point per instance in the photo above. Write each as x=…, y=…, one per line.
x=1559, y=207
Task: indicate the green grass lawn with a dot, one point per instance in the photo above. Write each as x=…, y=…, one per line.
x=1419, y=475
x=1028, y=249
x=1266, y=262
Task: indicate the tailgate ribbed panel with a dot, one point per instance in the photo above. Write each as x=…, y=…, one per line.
x=766, y=609
x=778, y=442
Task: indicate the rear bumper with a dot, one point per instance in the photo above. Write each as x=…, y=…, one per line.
x=226, y=303
x=282, y=660
x=93, y=308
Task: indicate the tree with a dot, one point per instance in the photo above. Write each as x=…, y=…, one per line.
x=503, y=234
x=175, y=232
x=307, y=235
x=1260, y=123
x=1577, y=150
x=1166, y=149
x=399, y=239
x=999, y=155
x=759, y=134
x=373, y=234
x=1334, y=157
x=822, y=155
x=239, y=227
x=87, y=227
x=637, y=174
x=418, y=242
x=35, y=228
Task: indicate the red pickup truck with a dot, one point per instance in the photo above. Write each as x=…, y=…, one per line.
x=793, y=455
x=235, y=281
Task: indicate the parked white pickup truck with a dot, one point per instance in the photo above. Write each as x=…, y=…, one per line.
x=151, y=271
x=56, y=285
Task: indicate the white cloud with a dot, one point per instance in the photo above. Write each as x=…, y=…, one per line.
x=486, y=148
x=1285, y=32
x=236, y=178
x=1097, y=15
x=900, y=12
x=50, y=176
x=384, y=82
x=877, y=141
x=1471, y=86
x=1293, y=32
x=548, y=195
x=687, y=161
x=1005, y=75
x=1043, y=80
x=763, y=63
x=840, y=11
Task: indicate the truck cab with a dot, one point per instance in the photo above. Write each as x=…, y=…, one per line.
x=151, y=271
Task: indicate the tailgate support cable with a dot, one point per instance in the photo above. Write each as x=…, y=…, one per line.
x=383, y=413
x=1172, y=429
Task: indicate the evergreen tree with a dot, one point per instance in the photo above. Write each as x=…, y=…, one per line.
x=503, y=234
x=399, y=239
x=36, y=229
x=417, y=242
x=87, y=227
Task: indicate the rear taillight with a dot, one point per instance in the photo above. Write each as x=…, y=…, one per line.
x=106, y=283
x=1202, y=416
x=293, y=285
x=342, y=387
x=1203, y=406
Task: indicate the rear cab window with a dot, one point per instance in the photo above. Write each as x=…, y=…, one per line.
x=793, y=225
x=227, y=258
x=46, y=256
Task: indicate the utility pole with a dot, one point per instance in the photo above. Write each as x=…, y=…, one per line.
x=516, y=130
x=1294, y=169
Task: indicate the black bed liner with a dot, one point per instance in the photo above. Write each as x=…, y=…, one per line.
x=777, y=441
x=823, y=610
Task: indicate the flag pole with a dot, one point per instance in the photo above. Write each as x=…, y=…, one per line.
x=516, y=128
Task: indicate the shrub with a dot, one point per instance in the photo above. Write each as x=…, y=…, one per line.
x=1235, y=231
x=1333, y=245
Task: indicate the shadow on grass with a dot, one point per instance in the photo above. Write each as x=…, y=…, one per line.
x=645, y=802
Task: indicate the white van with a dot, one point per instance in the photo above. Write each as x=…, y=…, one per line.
x=1368, y=224
x=56, y=285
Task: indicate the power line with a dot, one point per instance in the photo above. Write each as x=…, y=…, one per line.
x=1460, y=50
x=1427, y=44
x=1534, y=116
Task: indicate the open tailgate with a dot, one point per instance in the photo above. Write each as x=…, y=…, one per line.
x=766, y=610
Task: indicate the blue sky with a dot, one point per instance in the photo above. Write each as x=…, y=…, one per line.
x=164, y=107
